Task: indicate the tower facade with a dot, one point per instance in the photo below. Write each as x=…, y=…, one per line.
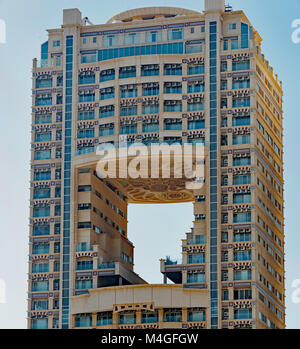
x=151, y=76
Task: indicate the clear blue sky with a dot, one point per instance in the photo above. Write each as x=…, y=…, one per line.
x=26, y=24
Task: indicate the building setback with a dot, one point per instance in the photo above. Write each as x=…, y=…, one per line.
x=152, y=75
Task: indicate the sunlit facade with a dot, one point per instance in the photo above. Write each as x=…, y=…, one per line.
x=154, y=75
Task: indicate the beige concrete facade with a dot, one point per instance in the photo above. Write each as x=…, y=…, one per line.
x=156, y=75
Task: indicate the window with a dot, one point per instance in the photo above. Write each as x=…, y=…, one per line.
x=172, y=315
x=83, y=320
x=244, y=35
x=129, y=110
x=195, y=104
x=241, y=314
x=39, y=324
x=241, y=198
x=196, y=258
x=86, y=115
x=172, y=106
x=39, y=305
x=154, y=36
x=43, y=118
x=241, y=121
x=223, y=66
x=242, y=294
x=193, y=48
x=241, y=65
x=41, y=229
x=127, y=317
x=173, y=124
x=196, y=314
x=151, y=126
x=83, y=284
x=172, y=69
x=106, y=130
x=151, y=89
x=128, y=91
x=107, y=93
x=110, y=40
x=43, y=99
x=150, y=70
x=127, y=72
x=56, y=43
x=242, y=255
x=86, y=78
x=241, y=236
x=41, y=192
x=41, y=210
x=107, y=111
x=196, y=87
x=149, y=316
x=232, y=26
x=104, y=318
x=196, y=124
x=40, y=286
x=43, y=81
x=88, y=58
x=173, y=87
x=107, y=75
x=128, y=129
x=175, y=34
x=241, y=179
x=242, y=161
x=240, y=275
x=241, y=102
x=82, y=188
x=194, y=69
x=87, y=133
x=240, y=83
x=84, y=265
x=198, y=277
x=40, y=267
x=132, y=38
x=86, y=96
x=242, y=217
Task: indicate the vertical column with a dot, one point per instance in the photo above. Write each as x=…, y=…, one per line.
x=67, y=184
x=213, y=164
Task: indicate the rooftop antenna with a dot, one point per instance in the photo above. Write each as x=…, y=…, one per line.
x=228, y=8
x=86, y=21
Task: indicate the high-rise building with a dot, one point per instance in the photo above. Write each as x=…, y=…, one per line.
x=152, y=75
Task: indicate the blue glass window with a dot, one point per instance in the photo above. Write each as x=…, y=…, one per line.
x=107, y=75
x=107, y=111
x=129, y=110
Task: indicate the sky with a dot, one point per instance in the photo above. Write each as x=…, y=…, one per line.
x=26, y=24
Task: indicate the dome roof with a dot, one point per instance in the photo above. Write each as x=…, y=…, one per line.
x=150, y=13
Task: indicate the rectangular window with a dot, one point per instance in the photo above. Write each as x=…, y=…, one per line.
x=110, y=40
x=175, y=34
x=232, y=26
x=132, y=38
x=154, y=36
